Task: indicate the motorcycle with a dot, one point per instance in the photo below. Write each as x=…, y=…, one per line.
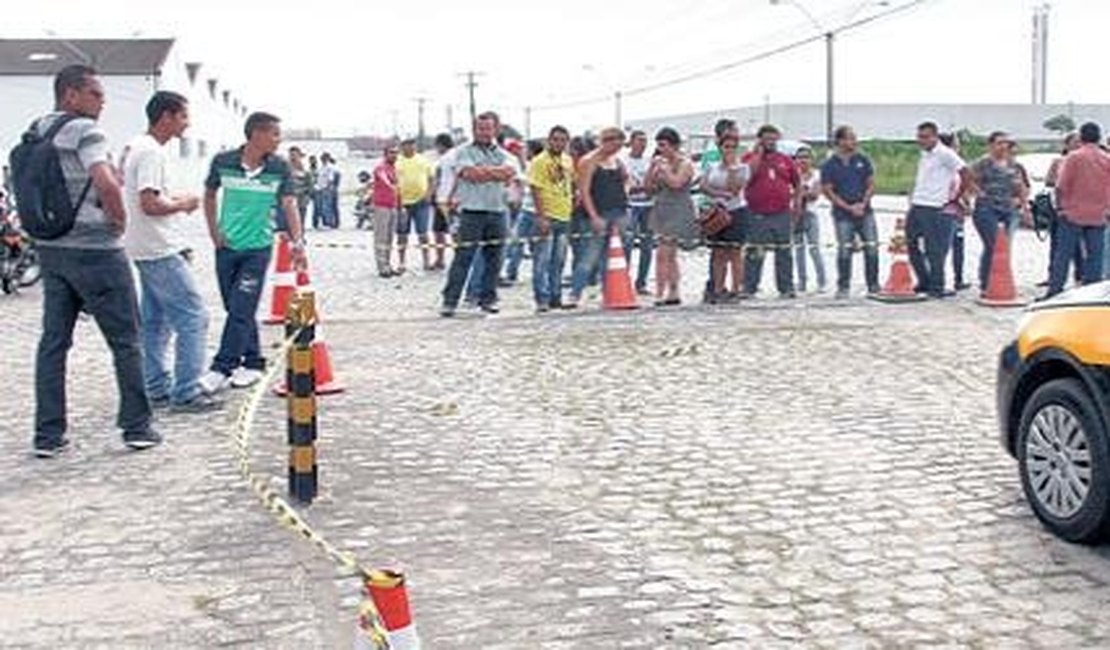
x=19, y=261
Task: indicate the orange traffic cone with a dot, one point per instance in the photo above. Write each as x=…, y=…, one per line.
x=386, y=604
x=617, y=289
x=282, y=279
x=326, y=383
x=899, y=286
x=1001, y=291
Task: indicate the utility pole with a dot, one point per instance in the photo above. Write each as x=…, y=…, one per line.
x=618, y=98
x=471, y=85
x=830, y=69
x=527, y=122
x=451, y=120
x=420, y=134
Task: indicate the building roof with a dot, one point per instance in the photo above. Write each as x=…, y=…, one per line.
x=47, y=56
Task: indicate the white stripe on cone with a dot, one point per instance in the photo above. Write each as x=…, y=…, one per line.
x=286, y=279
x=617, y=262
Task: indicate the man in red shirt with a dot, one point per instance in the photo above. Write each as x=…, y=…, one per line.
x=386, y=198
x=1083, y=189
x=774, y=201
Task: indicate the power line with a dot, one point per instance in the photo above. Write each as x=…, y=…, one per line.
x=725, y=67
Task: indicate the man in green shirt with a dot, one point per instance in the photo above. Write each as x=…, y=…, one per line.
x=251, y=183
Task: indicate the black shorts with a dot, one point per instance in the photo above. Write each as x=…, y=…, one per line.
x=736, y=233
x=441, y=222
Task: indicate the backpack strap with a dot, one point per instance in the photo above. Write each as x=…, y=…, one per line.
x=49, y=136
x=57, y=126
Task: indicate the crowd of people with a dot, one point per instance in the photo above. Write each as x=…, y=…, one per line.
x=489, y=200
x=563, y=197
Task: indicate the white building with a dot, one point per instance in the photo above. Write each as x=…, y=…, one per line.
x=131, y=70
x=887, y=121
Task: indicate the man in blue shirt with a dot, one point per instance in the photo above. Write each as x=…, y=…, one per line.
x=848, y=180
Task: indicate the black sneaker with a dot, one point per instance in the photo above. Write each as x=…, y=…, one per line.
x=51, y=449
x=159, y=403
x=447, y=311
x=490, y=308
x=139, y=440
x=200, y=404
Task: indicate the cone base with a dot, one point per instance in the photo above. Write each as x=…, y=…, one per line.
x=273, y=320
x=620, y=307
x=991, y=302
x=895, y=298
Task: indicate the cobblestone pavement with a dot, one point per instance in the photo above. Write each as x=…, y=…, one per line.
x=809, y=474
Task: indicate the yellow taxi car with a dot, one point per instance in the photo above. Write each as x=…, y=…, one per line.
x=1054, y=411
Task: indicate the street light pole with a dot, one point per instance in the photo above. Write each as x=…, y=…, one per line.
x=830, y=99
x=617, y=108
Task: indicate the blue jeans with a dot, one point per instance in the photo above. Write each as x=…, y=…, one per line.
x=987, y=220
x=932, y=227
x=807, y=238
x=172, y=306
x=101, y=283
x=594, y=261
x=242, y=277
x=548, y=258
x=1071, y=236
x=645, y=243
x=525, y=228
x=476, y=227
x=847, y=229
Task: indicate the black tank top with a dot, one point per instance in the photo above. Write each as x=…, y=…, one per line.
x=607, y=189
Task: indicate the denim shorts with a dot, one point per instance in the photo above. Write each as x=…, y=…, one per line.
x=415, y=215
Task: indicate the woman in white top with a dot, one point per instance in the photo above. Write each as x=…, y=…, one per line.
x=807, y=231
x=724, y=183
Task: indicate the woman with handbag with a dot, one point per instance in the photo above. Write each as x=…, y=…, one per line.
x=674, y=217
x=723, y=222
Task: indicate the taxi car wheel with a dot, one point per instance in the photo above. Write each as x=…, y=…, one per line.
x=1065, y=462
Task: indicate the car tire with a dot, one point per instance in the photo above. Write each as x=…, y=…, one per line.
x=1061, y=436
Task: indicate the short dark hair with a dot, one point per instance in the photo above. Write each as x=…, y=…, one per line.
x=71, y=77
x=637, y=133
x=534, y=147
x=929, y=126
x=558, y=128
x=444, y=140
x=668, y=135
x=259, y=120
x=995, y=136
x=723, y=126
x=164, y=101
x=488, y=115
x=841, y=132
x=767, y=129
x=1090, y=133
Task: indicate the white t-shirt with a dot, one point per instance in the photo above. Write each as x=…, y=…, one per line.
x=935, y=174
x=716, y=177
x=144, y=168
x=445, y=175
x=637, y=172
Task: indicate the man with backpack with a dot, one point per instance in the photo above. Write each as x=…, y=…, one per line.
x=70, y=201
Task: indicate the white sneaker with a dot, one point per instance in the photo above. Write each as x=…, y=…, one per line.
x=214, y=382
x=245, y=377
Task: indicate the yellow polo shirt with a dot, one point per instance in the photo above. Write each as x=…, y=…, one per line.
x=553, y=179
x=413, y=176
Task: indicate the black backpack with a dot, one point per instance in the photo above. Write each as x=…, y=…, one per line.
x=1043, y=209
x=46, y=210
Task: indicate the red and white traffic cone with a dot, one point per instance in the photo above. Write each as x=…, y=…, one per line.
x=326, y=382
x=283, y=283
x=386, y=602
x=899, y=286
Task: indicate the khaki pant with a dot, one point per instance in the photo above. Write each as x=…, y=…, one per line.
x=385, y=225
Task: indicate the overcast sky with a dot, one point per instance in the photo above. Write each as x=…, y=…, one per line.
x=349, y=67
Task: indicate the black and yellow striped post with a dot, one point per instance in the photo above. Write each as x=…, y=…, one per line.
x=300, y=377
